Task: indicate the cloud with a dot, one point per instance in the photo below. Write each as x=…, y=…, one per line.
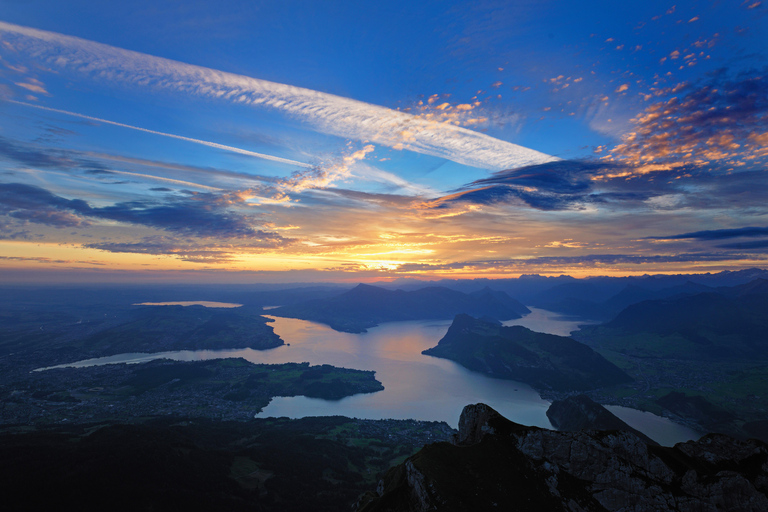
x=198, y=251
x=553, y=186
x=721, y=119
x=33, y=157
x=182, y=183
x=37, y=205
x=326, y=113
x=323, y=176
x=33, y=85
x=170, y=135
x=562, y=262
x=718, y=234
x=194, y=214
x=616, y=184
x=102, y=166
x=746, y=246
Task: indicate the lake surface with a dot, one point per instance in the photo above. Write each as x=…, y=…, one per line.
x=541, y=320
x=415, y=386
x=206, y=303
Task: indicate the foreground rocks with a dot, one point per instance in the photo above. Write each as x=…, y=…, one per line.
x=496, y=464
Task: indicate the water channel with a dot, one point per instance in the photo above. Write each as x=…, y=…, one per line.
x=415, y=386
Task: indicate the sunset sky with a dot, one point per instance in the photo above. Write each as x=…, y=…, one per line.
x=308, y=141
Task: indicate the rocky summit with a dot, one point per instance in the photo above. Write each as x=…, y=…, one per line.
x=496, y=464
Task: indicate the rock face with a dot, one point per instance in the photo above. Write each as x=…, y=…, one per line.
x=582, y=413
x=496, y=464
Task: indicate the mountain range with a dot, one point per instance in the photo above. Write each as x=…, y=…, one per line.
x=366, y=306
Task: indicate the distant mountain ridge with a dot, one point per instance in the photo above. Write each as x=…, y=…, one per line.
x=723, y=322
x=366, y=306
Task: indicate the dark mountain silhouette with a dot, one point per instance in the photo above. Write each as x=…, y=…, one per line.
x=756, y=287
x=367, y=306
x=496, y=464
x=732, y=322
x=601, y=298
x=545, y=361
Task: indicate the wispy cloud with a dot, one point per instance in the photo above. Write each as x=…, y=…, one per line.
x=324, y=112
x=718, y=234
x=574, y=262
x=182, y=183
x=320, y=177
x=193, y=214
x=171, y=135
x=186, y=250
x=33, y=157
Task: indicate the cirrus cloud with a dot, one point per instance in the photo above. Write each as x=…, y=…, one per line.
x=325, y=112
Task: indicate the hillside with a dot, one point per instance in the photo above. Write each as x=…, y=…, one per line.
x=366, y=306
x=545, y=361
x=732, y=323
x=230, y=388
x=698, y=357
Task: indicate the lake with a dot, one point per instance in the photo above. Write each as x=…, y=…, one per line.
x=415, y=386
x=205, y=303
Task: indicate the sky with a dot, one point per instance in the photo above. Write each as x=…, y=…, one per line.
x=300, y=141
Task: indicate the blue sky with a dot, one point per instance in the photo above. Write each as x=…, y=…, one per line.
x=357, y=141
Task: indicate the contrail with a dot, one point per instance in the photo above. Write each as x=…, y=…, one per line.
x=167, y=180
x=324, y=112
x=146, y=130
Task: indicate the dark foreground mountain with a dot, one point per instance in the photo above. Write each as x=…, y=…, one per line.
x=366, y=306
x=181, y=464
x=545, y=361
x=496, y=464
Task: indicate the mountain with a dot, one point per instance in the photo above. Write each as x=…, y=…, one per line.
x=580, y=412
x=545, y=361
x=697, y=408
x=731, y=322
x=171, y=463
x=601, y=298
x=367, y=306
x=496, y=464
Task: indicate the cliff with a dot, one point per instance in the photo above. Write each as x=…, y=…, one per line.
x=496, y=464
